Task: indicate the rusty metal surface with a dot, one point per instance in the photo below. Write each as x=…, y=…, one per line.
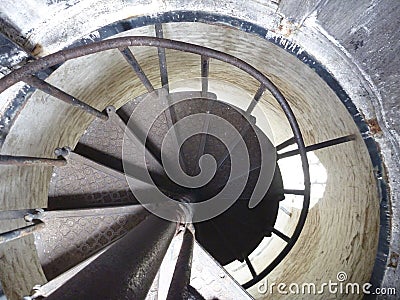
x=68, y=54
x=130, y=58
x=30, y=161
x=20, y=232
x=324, y=144
x=61, y=95
x=67, y=240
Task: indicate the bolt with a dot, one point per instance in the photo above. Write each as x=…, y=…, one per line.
x=36, y=215
x=28, y=218
x=110, y=109
x=64, y=151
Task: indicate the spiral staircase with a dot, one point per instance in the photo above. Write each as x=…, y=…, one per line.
x=107, y=230
x=89, y=192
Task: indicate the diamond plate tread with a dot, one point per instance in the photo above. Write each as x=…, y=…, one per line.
x=211, y=280
x=104, y=137
x=77, y=185
x=207, y=276
x=143, y=117
x=213, y=145
x=66, y=241
x=138, y=120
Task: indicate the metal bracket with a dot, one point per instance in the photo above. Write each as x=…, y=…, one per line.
x=37, y=215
